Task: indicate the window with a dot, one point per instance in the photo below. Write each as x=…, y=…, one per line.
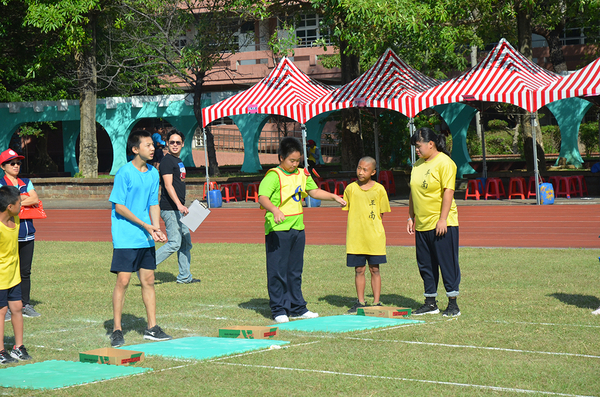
x=307, y=29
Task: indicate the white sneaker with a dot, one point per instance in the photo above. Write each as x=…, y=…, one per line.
x=308, y=314
x=596, y=312
x=282, y=318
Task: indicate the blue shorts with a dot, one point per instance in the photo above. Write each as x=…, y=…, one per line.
x=131, y=260
x=354, y=260
x=12, y=294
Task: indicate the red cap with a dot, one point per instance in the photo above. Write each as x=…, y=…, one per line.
x=8, y=155
x=311, y=142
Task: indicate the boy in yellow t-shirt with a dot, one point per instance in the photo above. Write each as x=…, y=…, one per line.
x=366, y=200
x=280, y=193
x=10, y=275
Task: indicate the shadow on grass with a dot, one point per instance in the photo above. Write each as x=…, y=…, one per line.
x=386, y=299
x=581, y=301
x=129, y=323
x=261, y=306
x=338, y=300
x=164, y=277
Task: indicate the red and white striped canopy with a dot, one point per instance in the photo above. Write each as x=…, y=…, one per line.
x=504, y=75
x=583, y=83
x=390, y=84
x=285, y=91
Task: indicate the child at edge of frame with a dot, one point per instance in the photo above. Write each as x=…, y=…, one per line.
x=280, y=193
x=10, y=275
x=367, y=201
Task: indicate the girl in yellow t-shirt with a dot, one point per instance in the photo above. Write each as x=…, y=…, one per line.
x=433, y=220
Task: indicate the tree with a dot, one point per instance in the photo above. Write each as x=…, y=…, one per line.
x=550, y=19
x=31, y=71
x=75, y=24
x=159, y=30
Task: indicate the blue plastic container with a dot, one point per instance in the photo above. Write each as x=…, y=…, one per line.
x=311, y=202
x=546, y=193
x=216, y=200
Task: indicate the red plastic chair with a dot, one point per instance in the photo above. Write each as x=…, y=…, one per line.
x=211, y=186
x=578, y=185
x=324, y=185
x=561, y=185
x=531, y=187
x=228, y=192
x=237, y=189
x=516, y=187
x=339, y=188
x=494, y=188
x=386, y=178
x=473, y=189
x=252, y=192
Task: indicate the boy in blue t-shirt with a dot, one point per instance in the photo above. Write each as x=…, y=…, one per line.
x=135, y=227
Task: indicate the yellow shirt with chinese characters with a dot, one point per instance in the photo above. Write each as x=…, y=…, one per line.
x=365, y=234
x=428, y=180
x=10, y=273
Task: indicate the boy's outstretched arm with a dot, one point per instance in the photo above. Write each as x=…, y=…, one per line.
x=320, y=194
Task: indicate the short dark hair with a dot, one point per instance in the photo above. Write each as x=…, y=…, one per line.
x=175, y=132
x=134, y=140
x=287, y=146
x=8, y=195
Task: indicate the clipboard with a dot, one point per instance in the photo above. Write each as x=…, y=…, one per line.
x=197, y=213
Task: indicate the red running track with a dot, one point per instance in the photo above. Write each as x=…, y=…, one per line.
x=557, y=226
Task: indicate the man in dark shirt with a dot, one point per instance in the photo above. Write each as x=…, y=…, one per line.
x=172, y=208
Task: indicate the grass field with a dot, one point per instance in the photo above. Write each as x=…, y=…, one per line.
x=525, y=328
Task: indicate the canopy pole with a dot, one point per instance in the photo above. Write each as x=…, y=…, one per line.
x=411, y=132
x=376, y=136
x=206, y=168
x=304, y=145
x=536, y=172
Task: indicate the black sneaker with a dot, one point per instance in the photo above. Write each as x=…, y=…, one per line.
x=5, y=358
x=452, y=310
x=156, y=333
x=427, y=308
x=354, y=308
x=116, y=338
x=20, y=353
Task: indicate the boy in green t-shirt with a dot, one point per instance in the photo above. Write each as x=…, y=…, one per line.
x=280, y=193
x=365, y=236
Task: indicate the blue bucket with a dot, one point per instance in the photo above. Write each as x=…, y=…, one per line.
x=311, y=202
x=216, y=200
x=546, y=193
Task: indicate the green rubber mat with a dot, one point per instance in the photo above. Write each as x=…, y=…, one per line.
x=202, y=348
x=345, y=323
x=54, y=374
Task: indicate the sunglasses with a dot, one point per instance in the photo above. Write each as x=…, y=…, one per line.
x=175, y=143
x=13, y=163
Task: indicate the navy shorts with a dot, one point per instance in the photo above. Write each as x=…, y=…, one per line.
x=131, y=260
x=12, y=294
x=354, y=260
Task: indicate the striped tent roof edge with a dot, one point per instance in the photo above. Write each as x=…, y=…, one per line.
x=390, y=83
x=504, y=75
x=285, y=91
x=584, y=82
